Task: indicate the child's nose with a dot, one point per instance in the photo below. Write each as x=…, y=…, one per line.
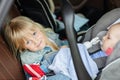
x=36, y=37
x=35, y=40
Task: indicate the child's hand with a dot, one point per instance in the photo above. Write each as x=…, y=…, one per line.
x=65, y=46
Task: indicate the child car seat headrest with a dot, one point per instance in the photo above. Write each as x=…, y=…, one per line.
x=96, y=46
x=100, y=35
x=102, y=24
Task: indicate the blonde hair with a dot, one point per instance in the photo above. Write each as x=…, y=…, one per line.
x=17, y=28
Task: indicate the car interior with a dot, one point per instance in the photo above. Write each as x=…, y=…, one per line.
x=97, y=12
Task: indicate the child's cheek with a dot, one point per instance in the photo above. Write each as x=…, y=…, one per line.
x=109, y=51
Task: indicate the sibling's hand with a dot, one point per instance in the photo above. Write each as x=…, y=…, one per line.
x=65, y=46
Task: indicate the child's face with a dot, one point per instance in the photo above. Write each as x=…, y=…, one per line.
x=111, y=38
x=36, y=41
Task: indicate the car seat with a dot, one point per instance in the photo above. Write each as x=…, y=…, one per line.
x=111, y=68
x=38, y=10
x=109, y=72
x=10, y=68
x=42, y=11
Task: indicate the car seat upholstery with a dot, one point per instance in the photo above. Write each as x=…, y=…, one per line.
x=76, y=4
x=10, y=67
x=39, y=11
x=102, y=24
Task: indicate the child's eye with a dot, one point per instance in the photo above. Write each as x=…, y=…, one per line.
x=34, y=33
x=27, y=42
x=108, y=37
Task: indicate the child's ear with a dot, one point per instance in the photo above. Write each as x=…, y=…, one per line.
x=115, y=53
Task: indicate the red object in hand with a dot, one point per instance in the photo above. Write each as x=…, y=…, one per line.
x=33, y=70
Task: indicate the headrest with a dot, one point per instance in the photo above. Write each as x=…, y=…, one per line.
x=102, y=24
x=106, y=20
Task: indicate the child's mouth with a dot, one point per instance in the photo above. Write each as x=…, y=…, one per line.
x=39, y=43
